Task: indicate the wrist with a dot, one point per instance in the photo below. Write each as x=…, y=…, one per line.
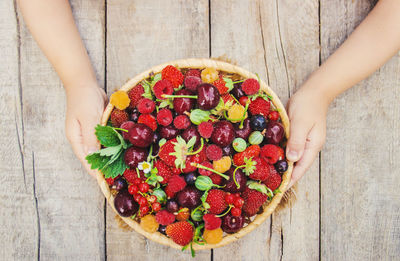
x=320, y=87
x=79, y=87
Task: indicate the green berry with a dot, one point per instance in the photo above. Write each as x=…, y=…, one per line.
x=256, y=138
x=239, y=144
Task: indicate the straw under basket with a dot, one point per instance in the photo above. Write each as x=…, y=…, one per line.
x=268, y=207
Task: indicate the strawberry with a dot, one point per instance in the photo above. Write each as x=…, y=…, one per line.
x=272, y=153
x=189, y=160
x=180, y=232
x=163, y=170
x=273, y=181
x=227, y=98
x=253, y=200
x=216, y=200
x=220, y=84
x=261, y=169
x=260, y=106
x=118, y=117
x=135, y=95
x=165, y=151
x=172, y=74
x=251, y=152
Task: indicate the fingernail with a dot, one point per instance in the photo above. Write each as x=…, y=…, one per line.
x=91, y=150
x=292, y=155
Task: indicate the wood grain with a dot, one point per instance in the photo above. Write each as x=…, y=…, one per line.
x=262, y=39
x=140, y=36
x=360, y=163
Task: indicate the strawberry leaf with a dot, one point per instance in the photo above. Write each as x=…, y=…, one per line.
x=110, y=151
x=117, y=167
x=260, y=187
x=107, y=136
x=96, y=161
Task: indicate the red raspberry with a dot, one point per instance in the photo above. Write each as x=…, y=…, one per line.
x=172, y=74
x=163, y=87
x=213, y=152
x=272, y=153
x=191, y=82
x=176, y=183
x=163, y=217
x=211, y=221
x=205, y=172
x=181, y=122
x=273, y=181
x=250, y=86
x=164, y=117
x=130, y=175
x=169, y=193
x=118, y=117
x=273, y=115
x=216, y=179
x=148, y=120
x=110, y=181
x=220, y=84
x=193, y=72
x=135, y=95
x=205, y=129
x=260, y=106
x=146, y=106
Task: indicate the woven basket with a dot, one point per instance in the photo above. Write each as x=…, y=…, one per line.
x=268, y=208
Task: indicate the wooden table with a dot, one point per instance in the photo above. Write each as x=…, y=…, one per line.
x=348, y=204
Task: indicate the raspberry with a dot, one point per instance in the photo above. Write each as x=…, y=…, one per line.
x=130, y=175
x=181, y=122
x=146, y=106
x=222, y=165
x=118, y=117
x=216, y=179
x=209, y=75
x=213, y=152
x=273, y=181
x=211, y=221
x=172, y=74
x=193, y=72
x=164, y=217
x=216, y=200
x=149, y=120
x=163, y=87
x=205, y=129
x=272, y=153
x=180, y=232
x=236, y=212
x=176, y=183
x=120, y=100
x=164, y=117
x=191, y=82
x=205, y=172
x=250, y=86
x=169, y=193
x=149, y=223
x=220, y=84
x=273, y=115
x=213, y=236
x=135, y=95
x=236, y=112
x=260, y=106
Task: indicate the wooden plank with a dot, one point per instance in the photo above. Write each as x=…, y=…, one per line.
x=18, y=232
x=259, y=36
x=69, y=205
x=140, y=36
x=360, y=204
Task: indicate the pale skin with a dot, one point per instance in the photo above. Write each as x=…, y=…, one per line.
x=369, y=47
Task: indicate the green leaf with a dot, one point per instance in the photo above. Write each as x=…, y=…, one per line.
x=110, y=151
x=117, y=167
x=260, y=187
x=96, y=161
x=147, y=90
x=107, y=136
x=197, y=116
x=191, y=142
x=155, y=79
x=165, y=103
x=229, y=83
x=162, y=142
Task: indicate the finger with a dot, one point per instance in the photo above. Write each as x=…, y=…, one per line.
x=90, y=142
x=298, y=134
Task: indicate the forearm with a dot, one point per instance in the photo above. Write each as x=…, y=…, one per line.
x=375, y=40
x=52, y=25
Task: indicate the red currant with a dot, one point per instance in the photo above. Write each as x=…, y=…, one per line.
x=238, y=202
x=273, y=115
x=156, y=206
x=229, y=199
x=236, y=212
x=142, y=201
x=133, y=189
x=110, y=181
x=144, y=187
x=137, y=197
x=243, y=100
x=237, y=195
x=144, y=210
x=152, y=199
x=137, y=181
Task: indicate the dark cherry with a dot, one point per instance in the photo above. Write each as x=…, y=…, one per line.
x=119, y=184
x=223, y=133
x=274, y=133
x=168, y=132
x=126, y=126
x=162, y=229
x=281, y=166
x=124, y=203
x=190, y=178
x=156, y=137
x=134, y=155
x=156, y=148
x=237, y=90
x=207, y=96
x=258, y=122
x=227, y=150
x=140, y=135
x=243, y=132
x=182, y=105
x=240, y=178
x=232, y=224
x=189, y=133
x=134, y=116
x=172, y=206
x=189, y=197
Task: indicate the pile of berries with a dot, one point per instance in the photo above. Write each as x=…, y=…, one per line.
x=200, y=152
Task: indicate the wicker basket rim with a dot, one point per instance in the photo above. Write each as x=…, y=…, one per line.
x=269, y=207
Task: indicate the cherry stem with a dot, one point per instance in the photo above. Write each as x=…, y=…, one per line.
x=180, y=96
x=206, y=168
x=226, y=212
x=238, y=81
x=244, y=114
x=198, y=150
x=137, y=172
x=121, y=129
x=234, y=175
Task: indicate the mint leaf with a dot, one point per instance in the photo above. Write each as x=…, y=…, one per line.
x=107, y=136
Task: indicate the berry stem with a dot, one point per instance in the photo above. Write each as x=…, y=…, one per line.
x=226, y=212
x=206, y=168
x=121, y=129
x=180, y=96
x=238, y=81
x=198, y=150
x=244, y=114
x=234, y=175
x=137, y=172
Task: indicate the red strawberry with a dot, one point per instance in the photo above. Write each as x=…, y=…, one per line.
x=118, y=117
x=273, y=181
x=261, y=171
x=163, y=170
x=176, y=183
x=172, y=74
x=272, y=153
x=250, y=152
x=216, y=200
x=189, y=160
x=211, y=222
x=165, y=151
x=180, y=232
x=220, y=84
x=135, y=95
x=227, y=98
x=253, y=200
x=260, y=106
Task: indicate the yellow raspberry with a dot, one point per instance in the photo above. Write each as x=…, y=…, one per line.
x=120, y=99
x=209, y=75
x=149, y=223
x=213, y=236
x=222, y=165
x=235, y=112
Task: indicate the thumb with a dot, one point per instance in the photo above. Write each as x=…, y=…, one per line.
x=297, y=140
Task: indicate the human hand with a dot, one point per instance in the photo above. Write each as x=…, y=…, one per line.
x=307, y=110
x=85, y=106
